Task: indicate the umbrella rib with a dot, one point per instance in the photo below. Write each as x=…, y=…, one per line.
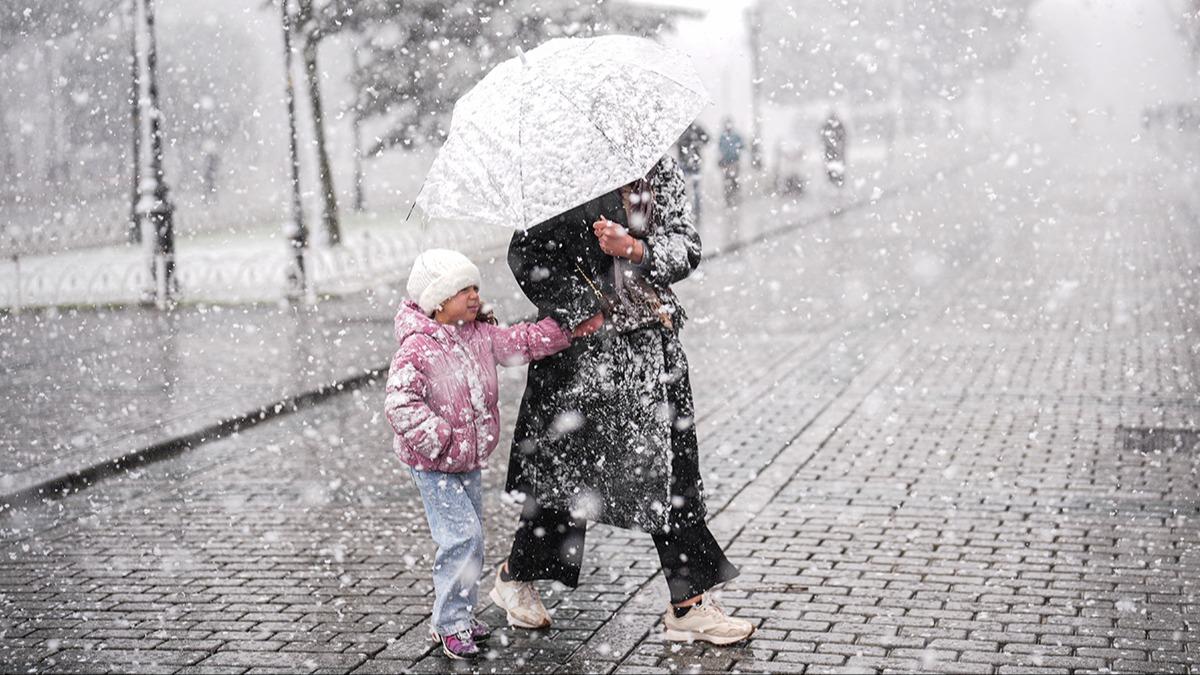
x=587, y=117
x=658, y=72
x=520, y=144
x=491, y=179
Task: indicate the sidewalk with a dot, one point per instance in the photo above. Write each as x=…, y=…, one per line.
x=250, y=267
x=920, y=429
x=93, y=392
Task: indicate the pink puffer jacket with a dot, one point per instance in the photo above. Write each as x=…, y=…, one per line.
x=442, y=388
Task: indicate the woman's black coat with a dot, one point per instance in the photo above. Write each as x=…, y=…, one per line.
x=606, y=428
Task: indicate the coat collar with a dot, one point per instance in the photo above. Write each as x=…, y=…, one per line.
x=410, y=321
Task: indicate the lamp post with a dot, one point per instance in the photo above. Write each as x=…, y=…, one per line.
x=896, y=66
x=154, y=201
x=135, y=114
x=754, y=30
x=295, y=229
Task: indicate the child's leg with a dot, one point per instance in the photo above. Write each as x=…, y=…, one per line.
x=455, y=526
x=473, y=484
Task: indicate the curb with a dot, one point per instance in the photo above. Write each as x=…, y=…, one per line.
x=86, y=477
x=75, y=481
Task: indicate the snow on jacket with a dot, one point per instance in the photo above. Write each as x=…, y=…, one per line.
x=605, y=427
x=442, y=388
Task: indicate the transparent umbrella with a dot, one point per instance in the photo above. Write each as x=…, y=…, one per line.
x=554, y=128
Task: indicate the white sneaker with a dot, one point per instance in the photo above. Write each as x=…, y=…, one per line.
x=707, y=622
x=521, y=601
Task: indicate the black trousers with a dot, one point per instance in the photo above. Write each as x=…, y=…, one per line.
x=548, y=545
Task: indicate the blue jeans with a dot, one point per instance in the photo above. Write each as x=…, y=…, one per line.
x=454, y=509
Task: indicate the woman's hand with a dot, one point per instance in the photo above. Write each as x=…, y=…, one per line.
x=590, y=326
x=616, y=240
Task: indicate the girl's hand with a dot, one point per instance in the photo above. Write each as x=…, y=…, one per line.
x=616, y=240
x=590, y=326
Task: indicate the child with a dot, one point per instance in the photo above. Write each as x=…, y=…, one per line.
x=442, y=404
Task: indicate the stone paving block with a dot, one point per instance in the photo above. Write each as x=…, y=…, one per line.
x=211, y=670
x=877, y=664
x=847, y=649
x=254, y=645
x=771, y=667
x=105, y=658
x=812, y=658
x=378, y=666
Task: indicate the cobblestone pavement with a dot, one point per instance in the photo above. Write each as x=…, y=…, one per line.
x=921, y=426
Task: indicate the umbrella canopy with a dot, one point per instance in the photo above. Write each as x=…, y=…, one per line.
x=552, y=129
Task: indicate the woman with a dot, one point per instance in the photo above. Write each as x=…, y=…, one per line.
x=606, y=429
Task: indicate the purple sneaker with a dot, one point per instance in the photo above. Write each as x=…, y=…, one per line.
x=480, y=631
x=460, y=646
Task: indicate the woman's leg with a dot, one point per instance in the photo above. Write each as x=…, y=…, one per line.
x=692, y=562
x=548, y=544
x=459, y=535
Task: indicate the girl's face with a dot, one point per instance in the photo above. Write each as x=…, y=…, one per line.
x=461, y=308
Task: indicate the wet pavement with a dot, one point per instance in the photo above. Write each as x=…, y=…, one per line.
x=922, y=426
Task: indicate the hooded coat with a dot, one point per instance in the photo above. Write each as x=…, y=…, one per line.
x=606, y=427
x=442, y=389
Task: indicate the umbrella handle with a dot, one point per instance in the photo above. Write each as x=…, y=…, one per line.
x=605, y=303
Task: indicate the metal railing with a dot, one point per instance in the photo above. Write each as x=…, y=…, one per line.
x=255, y=273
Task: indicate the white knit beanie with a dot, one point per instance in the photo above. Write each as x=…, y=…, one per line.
x=438, y=275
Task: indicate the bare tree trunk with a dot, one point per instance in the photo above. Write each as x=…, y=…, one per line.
x=359, y=197
x=356, y=119
x=329, y=213
x=6, y=155
x=1195, y=26
x=55, y=170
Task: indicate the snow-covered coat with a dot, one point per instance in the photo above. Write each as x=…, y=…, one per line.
x=606, y=426
x=442, y=390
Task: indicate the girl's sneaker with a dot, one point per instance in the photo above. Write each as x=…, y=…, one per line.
x=460, y=646
x=480, y=631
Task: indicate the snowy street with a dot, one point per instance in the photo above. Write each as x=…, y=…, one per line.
x=955, y=432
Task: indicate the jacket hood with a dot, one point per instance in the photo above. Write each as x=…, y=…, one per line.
x=410, y=320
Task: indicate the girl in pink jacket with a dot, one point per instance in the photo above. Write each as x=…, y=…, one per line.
x=442, y=403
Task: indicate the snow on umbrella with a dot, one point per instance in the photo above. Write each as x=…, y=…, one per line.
x=552, y=129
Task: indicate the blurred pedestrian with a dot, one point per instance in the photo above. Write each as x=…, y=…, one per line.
x=690, y=145
x=212, y=165
x=441, y=401
x=833, y=137
x=730, y=145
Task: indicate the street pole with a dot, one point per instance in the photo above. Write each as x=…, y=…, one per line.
x=897, y=93
x=754, y=28
x=159, y=210
x=295, y=230
x=135, y=113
